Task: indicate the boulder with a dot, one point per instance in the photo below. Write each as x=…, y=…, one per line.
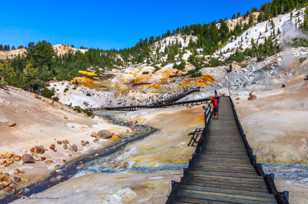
x=5, y=181
x=17, y=179
x=11, y=124
x=102, y=134
x=48, y=161
x=53, y=147
x=27, y=159
x=17, y=158
x=18, y=172
x=74, y=148
x=5, y=178
x=252, y=97
x=11, y=188
x=2, y=186
x=38, y=150
x=65, y=146
x=84, y=143
x=7, y=162
x=65, y=142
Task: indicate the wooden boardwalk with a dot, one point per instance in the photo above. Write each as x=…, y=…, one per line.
x=222, y=172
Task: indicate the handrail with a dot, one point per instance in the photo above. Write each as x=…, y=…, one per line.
x=282, y=198
x=177, y=97
x=133, y=108
x=200, y=147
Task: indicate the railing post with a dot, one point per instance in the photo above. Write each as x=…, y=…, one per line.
x=205, y=117
x=285, y=197
x=272, y=176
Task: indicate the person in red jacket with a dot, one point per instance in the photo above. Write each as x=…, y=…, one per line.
x=214, y=101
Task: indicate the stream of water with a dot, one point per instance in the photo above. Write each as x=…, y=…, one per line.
x=118, y=162
x=293, y=172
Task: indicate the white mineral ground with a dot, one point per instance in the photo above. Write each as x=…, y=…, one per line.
x=166, y=147
x=276, y=127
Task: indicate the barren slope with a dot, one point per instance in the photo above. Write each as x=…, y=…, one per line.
x=53, y=132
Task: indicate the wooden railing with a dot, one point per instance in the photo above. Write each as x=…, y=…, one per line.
x=134, y=108
x=177, y=97
x=200, y=147
x=170, y=101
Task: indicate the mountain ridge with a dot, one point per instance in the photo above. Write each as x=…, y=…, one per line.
x=60, y=50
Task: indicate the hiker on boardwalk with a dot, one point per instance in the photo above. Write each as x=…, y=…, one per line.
x=216, y=95
x=214, y=101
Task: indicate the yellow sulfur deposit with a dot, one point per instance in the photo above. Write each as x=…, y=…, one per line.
x=83, y=81
x=143, y=79
x=86, y=78
x=121, y=89
x=115, y=138
x=152, y=86
x=201, y=81
x=87, y=73
x=169, y=73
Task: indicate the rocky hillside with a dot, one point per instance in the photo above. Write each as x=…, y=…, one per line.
x=205, y=44
x=258, y=34
x=60, y=50
x=271, y=26
x=10, y=54
x=281, y=29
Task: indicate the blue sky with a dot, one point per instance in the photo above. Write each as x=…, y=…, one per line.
x=106, y=23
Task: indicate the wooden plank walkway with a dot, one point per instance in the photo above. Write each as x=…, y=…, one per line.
x=222, y=172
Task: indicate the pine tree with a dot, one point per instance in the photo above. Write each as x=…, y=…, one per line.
x=251, y=20
x=305, y=27
x=7, y=47
x=224, y=29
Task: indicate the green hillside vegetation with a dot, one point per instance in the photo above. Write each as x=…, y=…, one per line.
x=41, y=64
x=305, y=26
x=210, y=38
x=260, y=51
